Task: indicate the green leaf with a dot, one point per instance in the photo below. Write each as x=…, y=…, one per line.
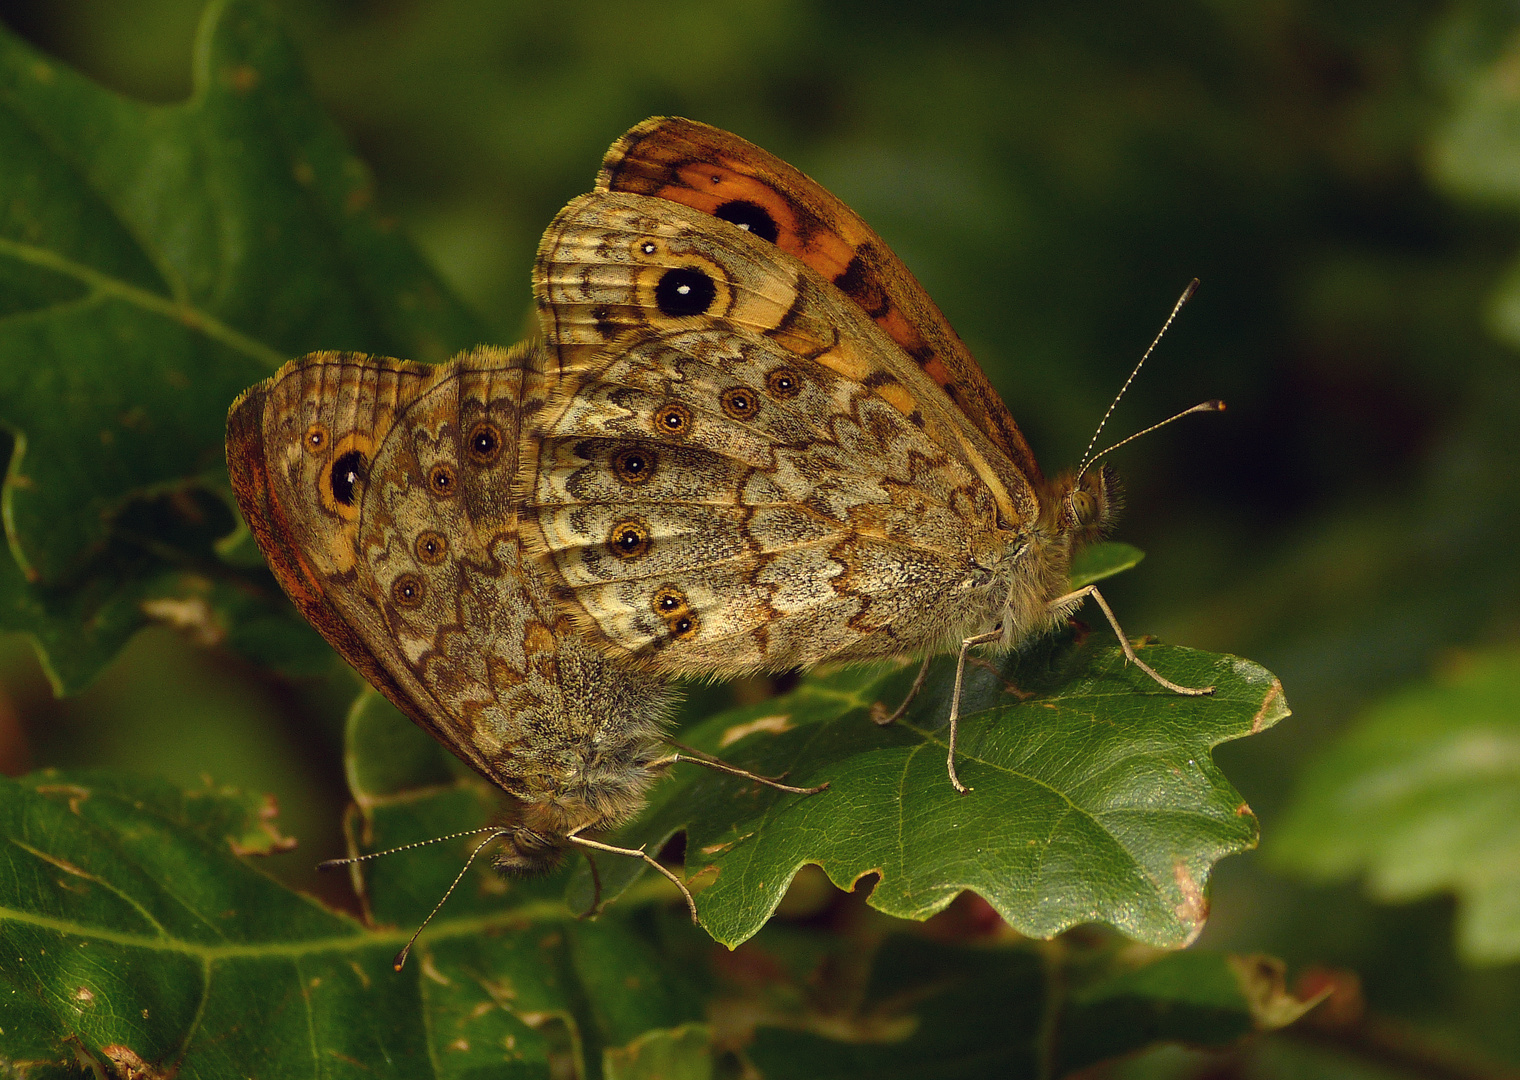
x=683, y=1053
x=154, y=262
x=1422, y=795
x=136, y=938
x=135, y=934
x=1097, y=562
x=160, y=568
x=1199, y=998
x=1095, y=797
x=937, y=1011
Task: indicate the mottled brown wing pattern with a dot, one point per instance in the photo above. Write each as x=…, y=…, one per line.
x=390, y=483
x=294, y=445
x=723, y=175
x=739, y=471
x=611, y=263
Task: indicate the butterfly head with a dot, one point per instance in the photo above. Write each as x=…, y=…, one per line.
x=528, y=851
x=1089, y=505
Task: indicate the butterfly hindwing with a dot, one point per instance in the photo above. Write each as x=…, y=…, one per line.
x=298, y=452
x=715, y=502
x=389, y=487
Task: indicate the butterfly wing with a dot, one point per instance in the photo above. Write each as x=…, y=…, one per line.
x=723, y=175
x=298, y=448
x=739, y=470
x=381, y=492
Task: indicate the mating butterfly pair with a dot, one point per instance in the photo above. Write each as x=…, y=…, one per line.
x=749, y=441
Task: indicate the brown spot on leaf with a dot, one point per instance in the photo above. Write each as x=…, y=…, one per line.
x=774, y=725
x=130, y=1065
x=191, y=616
x=242, y=78
x=1258, y=722
x=1193, y=908
x=75, y=793
x=1263, y=986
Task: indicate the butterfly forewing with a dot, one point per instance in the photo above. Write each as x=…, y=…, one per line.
x=723, y=175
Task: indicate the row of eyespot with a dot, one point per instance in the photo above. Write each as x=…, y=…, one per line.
x=483, y=446
x=669, y=602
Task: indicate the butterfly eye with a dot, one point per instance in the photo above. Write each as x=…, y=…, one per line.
x=672, y=419
x=1083, y=508
x=629, y=539
x=684, y=291
x=346, y=474
x=751, y=217
x=740, y=402
x=783, y=383
x=407, y=591
x=634, y=466
x=316, y=438
x=441, y=481
x=431, y=547
x=484, y=443
x=668, y=600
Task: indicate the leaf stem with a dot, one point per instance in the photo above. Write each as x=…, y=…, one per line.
x=188, y=315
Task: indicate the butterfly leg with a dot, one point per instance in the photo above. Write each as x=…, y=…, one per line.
x=955, y=701
x=696, y=757
x=879, y=713
x=596, y=888
x=1129, y=650
x=640, y=853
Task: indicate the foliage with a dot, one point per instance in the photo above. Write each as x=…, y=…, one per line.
x=1422, y=796
x=1339, y=177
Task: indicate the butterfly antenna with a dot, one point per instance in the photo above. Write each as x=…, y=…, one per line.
x=1203, y=406
x=1187, y=294
x=400, y=961
x=332, y=864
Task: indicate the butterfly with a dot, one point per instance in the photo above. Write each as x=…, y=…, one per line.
x=380, y=494
x=766, y=447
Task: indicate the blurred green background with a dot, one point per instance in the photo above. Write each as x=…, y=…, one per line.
x=1344, y=178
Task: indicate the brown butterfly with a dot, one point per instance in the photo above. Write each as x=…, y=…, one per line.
x=768, y=448
x=380, y=493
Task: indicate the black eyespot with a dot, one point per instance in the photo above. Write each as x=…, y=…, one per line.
x=648, y=247
x=431, y=548
x=629, y=539
x=441, y=481
x=407, y=591
x=683, y=626
x=315, y=438
x=784, y=383
x=740, y=402
x=672, y=418
x=484, y=442
x=634, y=466
x=668, y=600
x=684, y=291
x=749, y=216
x=346, y=474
